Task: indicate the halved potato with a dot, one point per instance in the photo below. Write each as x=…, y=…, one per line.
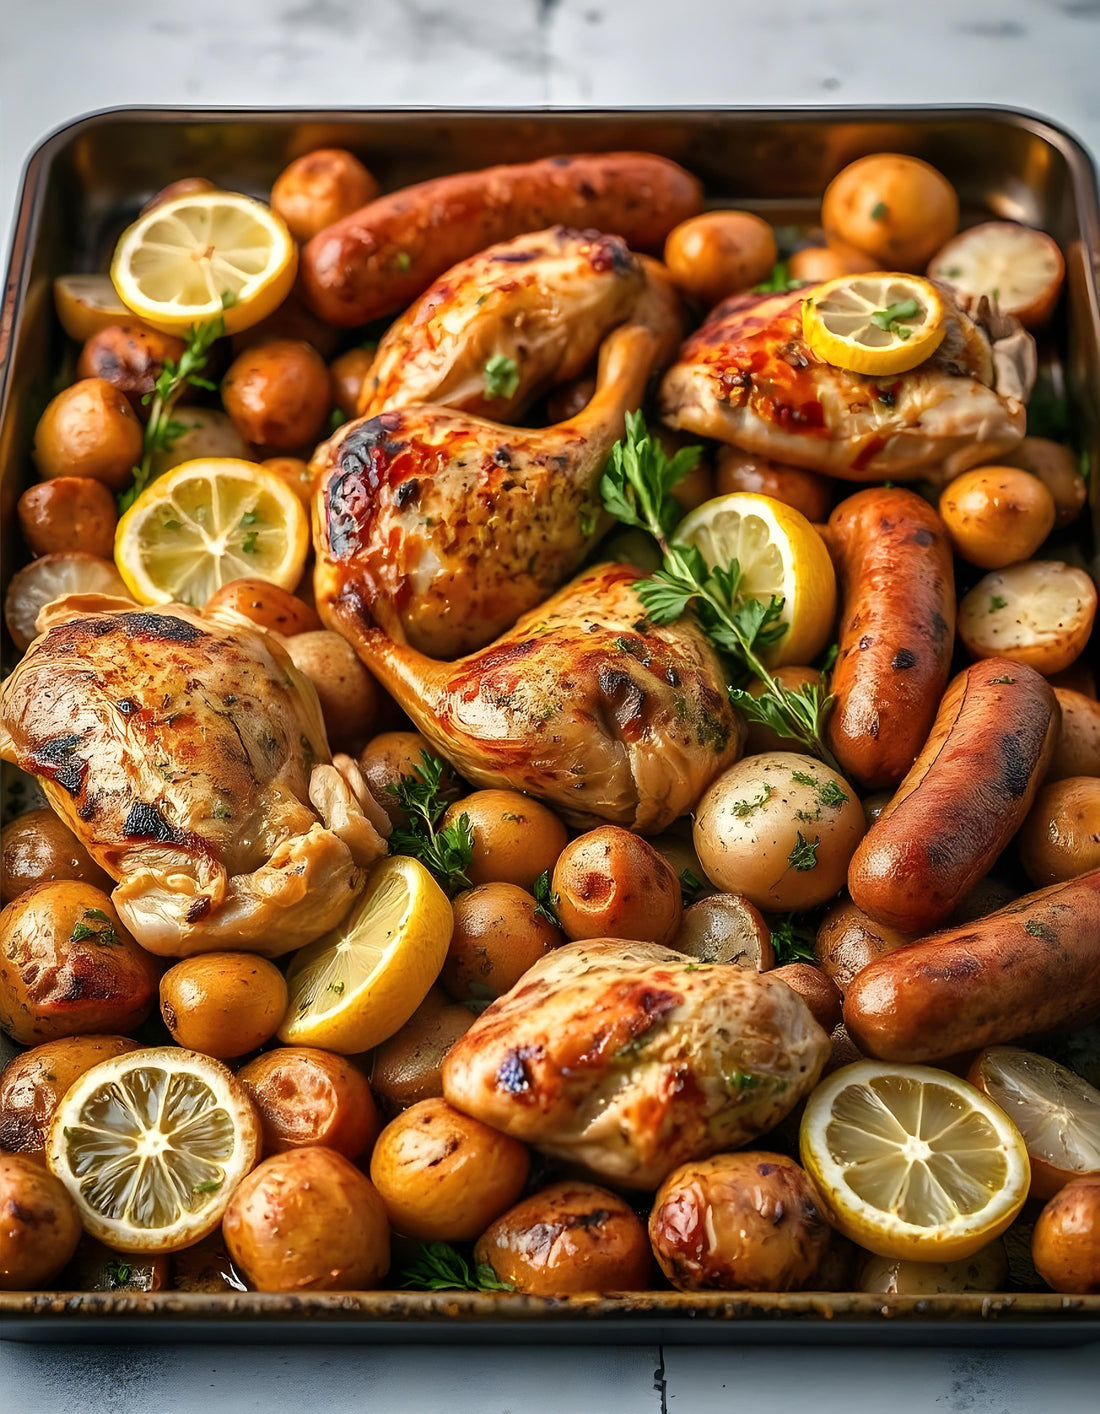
x=1019, y=269
x=1039, y=612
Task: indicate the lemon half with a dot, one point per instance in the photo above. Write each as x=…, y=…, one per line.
x=874, y=324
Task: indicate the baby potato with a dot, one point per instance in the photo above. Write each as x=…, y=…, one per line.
x=610, y=883
x=986, y=1270
x=37, y=848
x=223, y=1004
x=738, y=1222
x=443, y=1176
x=292, y=320
x=497, y=936
x=680, y=853
x=296, y=474
x=278, y=395
x=806, y=491
x=818, y=263
x=565, y=1239
x=1039, y=612
x=206, y=1267
x=720, y=253
x=308, y=1220
x=90, y=430
x=1019, y=270
x=131, y=357
x=996, y=515
x=759, y=737
x=1060, y=838
x=69, y=967
x=265, y=604
x=409, y=1066
x=1077, y=750
x=320, y=188
x=392, y=755
x=848, y=940
x=896, y=209
x=33, y=1083
x=207, y=432
x=68, y=513
x=817, y=990
x=515, y=838
x=1056, y=467
x=39, y=1227
x=349, y=696
x=779, y=828
x=184, y=186
x=307, y=1097
x=52, y=577
x=1065, y=1245
x=346, y=374
x=726, y=928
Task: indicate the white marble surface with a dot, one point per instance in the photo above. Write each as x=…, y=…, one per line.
x=59, y=58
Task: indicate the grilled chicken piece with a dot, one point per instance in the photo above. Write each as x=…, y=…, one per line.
x=585, y=704
x=747, y=377
x=544, y=301
x=630, y=1059
x=189, y=756
x=442, y=528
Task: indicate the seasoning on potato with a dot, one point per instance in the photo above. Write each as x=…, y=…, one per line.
x=997, y=515
x=409, y=1066
x=320, y=188
x=33, y=1082
x=896, y=209
x=726, y=928
x=1039, y=612
x=986, y=1270
x=278, y=394
x=68, y=513
x=37, y=847
x=720, y=253
x=610, y=883
x=498, y=934
x=515, y=838
x=223, y=1004
x=307, y=1097
x=39, y=1227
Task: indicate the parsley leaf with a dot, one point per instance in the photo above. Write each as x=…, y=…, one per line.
x=891, y=319
x=501, y=376
x=438, y=1266
x=691, y=888
x=996, y=601
x=744, y=808
x=545, y=901
x=792, y=941
x=445, y=852
x=879, y=210
x=117, y=1273
x=779, y=281
x=804, y=854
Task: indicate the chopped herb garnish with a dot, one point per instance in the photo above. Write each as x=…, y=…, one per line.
x=403, y=261
x=445, y=852
x=501, y=376
x=208, y=1185
x=996, y=602
x=171, y=524
x=779, y=281
x=742, y=809
x=691, y=888
x=792, y=941
x=221, y=810
x=828, y=792
x=337, y=987
x=336, y=419
x=546, y=902
x=879, y=210
x=106, y=936
x=117, y=1272
x=1040, y=930
x=804, y=854
x=891, y=318
x=438, y=1266
x=1003, y=678
x=250, y=542
x=588, y=517
x=740, y=1080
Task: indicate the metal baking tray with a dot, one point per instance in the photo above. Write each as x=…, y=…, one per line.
x=81, y=186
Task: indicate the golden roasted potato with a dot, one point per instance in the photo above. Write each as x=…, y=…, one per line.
x=346, y=374
x=409, y=1066
x=444, y=1176
x=90, y=430
x=33, y=1083
x=39, y=1227
x=986, y=1270
x=1039, y=612
x=1056, y=467
x=350, y=698
x=206, y=1267
x=295, y=472
x=183, y=186
x=760, y=738
x=610, y=883
x=515, y=838
x=738, y=1222
x=307, y=1097
x=818, y=263
x=320, y=188
x=278, y=394
x=896, y=209
x=498, y=935
x=1065, y=1245
x=1061, y=836
x=223, y=1004
x=568, y=1238
x=308, y=1220
x=37, y=847
x=292, y=320
x=131, y=357
x=207, y=432
x=817, y=990
x=680, y=853
x=720, y=253
x=1077, y=750
x=267, y=605
x=996, y=515
x=806, y=491
x=847, y=940
x=726, y=928
x=68, y=967
x=68, y=513
x=392, y=755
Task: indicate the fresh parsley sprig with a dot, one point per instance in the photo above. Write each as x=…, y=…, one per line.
x=793, y=941
x=445, y=852
x=438, y=1266
x=779, y=281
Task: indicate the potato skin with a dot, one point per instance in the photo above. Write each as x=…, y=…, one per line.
x=898, y=210
x=320, y=188
x=806, y=491
x=822, y=262
x=515, y=838
x=1077, y=750
x=720, y=253
x=726, y=928
x=278, y=394
x=183, y=186
x=223, y=1004
x=52, y=984
x=568, y=1238
x=33, y=1083
x=610, y=883
x=817, y=990
x=848, y=939
x=347, y=374
x=444, y=1176
x=738, y=1222
x=68, y=513
x=267, y=605
x=307, y=1097
x=391, y=755
x=308, y=1220
x=39, y=1227
x=497, y=937
x=996, y=515
x=350, y=698
x=90, y=430
x=131, y=357
x=1061, y=836
x=36, y=848
x=1056, y=467
x=409, y=1066
x=1065, y=1245
x=295, y=472
x=1067, y=597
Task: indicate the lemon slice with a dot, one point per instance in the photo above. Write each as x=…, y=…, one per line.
x=875, y=324
x=86, y=304
x=779, y=552
x=151, y=1145
x=913, y=1162
x=1057, y=1113
x=206, y=522
x=355, y=987
x=205, y=255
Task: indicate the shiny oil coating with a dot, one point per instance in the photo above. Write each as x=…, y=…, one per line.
x=897, y=631
x=1022, y=971
x=379, y=259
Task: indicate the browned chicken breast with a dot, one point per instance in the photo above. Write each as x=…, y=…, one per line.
x=631, y=1059
x=585, y=704
x=748, y=377
x=189, y=757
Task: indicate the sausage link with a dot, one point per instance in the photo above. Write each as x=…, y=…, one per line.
x=381, y=257
x=963, y=800
x=1031, y=967
x=897, y=630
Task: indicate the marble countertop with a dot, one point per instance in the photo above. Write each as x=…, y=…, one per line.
x=59, y=58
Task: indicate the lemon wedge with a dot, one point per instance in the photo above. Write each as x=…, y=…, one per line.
x=151, y=1145
x=780, y=553
x=85, y=304
x=875, y=324
x=206, y=522
x=912, y=1162
x=203, y=256
x=353, y=988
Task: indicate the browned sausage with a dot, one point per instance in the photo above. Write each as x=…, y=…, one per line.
x=1029, y=968
x=964, y=799
x=897, y=629
x=381, y=257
